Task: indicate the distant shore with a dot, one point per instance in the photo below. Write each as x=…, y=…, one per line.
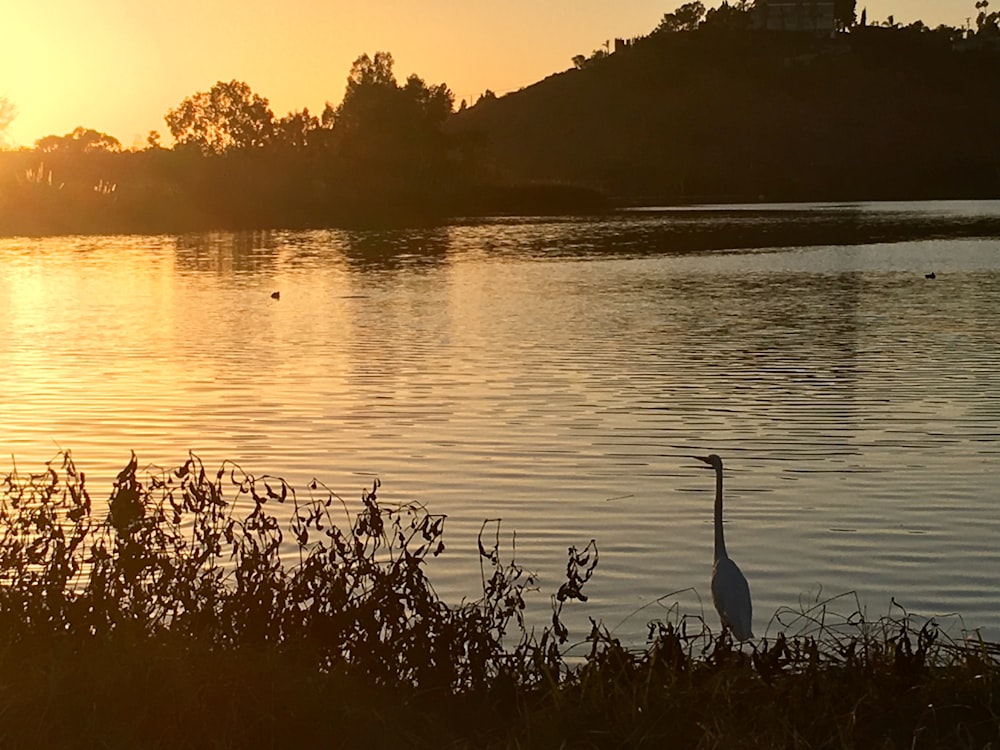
x=37, y=210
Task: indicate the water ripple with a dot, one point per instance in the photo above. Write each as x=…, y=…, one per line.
x=557, y=374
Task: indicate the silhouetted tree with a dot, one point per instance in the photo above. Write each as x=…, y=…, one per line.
x=434, y=102
x=601, y=53
x=387, y=139
x=80, y=141
x=728, y=16
x=375, y=104
x=950, y=35
x=371, y=98
x=844, y=13
x=227, y=117
x=987, y=23
x=685, y=18
x=328, y=115
x=295, y=130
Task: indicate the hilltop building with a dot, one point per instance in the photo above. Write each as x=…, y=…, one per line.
x=816, y=16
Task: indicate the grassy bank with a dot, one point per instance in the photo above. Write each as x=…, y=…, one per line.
x=183, y=613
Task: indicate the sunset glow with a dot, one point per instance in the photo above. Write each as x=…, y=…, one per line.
x=118, y=66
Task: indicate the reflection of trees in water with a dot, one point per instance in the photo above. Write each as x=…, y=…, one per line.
x=398, y=315
x=391, y=250
x=227, y=252
x=683, y=231
x=361, y=251
x=686, y=231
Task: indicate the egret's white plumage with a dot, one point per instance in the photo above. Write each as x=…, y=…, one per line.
x=730, y=590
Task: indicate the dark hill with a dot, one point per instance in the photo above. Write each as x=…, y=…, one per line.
x=878, y=113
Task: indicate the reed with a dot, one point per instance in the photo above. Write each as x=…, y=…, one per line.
x=182, y=612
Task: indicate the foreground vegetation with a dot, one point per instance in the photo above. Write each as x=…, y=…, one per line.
x=182, y=613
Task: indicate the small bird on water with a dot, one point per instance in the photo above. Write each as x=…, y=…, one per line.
x=930, y=275
x=275, y=295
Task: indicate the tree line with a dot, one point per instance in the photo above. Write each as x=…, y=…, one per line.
x=743, y=15
x=381, y=156
x=655, y=121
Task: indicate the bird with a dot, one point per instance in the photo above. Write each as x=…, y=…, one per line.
x=930, y=275
x=275, y=295
x=730, y=590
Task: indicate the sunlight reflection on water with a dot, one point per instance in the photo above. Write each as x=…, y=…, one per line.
x=554, y=373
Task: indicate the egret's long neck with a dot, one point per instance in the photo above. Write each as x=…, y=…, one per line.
x=720, y=542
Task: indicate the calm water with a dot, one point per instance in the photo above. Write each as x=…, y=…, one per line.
x=555, y=373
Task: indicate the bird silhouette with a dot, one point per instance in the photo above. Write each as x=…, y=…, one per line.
x=930, y=275
x=730, y=590
x=275, y=295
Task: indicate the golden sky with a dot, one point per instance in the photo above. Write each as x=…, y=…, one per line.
x=118, y=65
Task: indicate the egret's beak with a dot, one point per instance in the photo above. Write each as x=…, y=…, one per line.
x=703, y=459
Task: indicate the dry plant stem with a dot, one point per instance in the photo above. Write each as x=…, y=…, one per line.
x=124, y=625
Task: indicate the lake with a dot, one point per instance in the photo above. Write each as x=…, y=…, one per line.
x=556, y=373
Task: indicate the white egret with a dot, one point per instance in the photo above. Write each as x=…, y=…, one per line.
x=730, y=590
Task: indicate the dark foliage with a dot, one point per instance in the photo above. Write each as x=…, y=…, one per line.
x=183, y=613
x=734, y=114
x=380, y=158
x=192, y=556
x=705, y=108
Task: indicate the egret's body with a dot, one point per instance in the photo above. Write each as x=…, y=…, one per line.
x=730, y=590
